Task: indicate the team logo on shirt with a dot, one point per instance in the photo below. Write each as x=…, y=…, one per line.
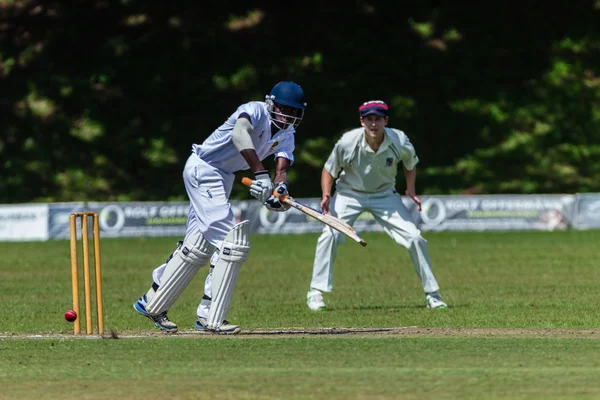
x=273, y=146
x=389, y=161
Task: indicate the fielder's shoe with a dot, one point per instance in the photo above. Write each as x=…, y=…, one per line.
x=225, y=329
x=161, y=320
x=314, y=300
x=434, y=300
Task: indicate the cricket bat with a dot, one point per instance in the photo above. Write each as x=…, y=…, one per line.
x=326, y=219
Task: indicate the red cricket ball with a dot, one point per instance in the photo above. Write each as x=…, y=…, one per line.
x=70, y=315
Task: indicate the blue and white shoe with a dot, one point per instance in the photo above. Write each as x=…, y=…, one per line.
x=225, y=329
x=161, y=320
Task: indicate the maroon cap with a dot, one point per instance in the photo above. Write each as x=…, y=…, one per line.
x=376, y=107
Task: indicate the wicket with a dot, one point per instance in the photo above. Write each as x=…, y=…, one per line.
x=86, y=272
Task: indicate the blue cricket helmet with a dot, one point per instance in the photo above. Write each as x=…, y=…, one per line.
x=289, y=94
x=286, y=94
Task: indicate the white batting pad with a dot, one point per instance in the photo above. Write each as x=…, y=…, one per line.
x=180, y=270
x=234, y=252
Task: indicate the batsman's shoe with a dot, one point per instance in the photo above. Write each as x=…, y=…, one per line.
x=434, y=300
x=225, y=329
x=314, y=300
x=161, y=320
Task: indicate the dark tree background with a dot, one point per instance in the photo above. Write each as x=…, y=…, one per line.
x=102, y=99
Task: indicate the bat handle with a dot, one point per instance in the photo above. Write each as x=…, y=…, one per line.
x=282, y=197
x=247, y=181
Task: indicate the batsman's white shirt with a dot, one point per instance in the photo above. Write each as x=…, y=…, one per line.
x=209, y=172
x=366, y=183
x=219, y=151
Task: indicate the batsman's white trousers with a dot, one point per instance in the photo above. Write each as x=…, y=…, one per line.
x=392, y=215
x=208, y=189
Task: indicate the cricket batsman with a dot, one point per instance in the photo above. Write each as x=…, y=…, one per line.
x=256, y=130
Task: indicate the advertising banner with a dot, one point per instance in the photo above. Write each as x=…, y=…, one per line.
x=58, y=219
x=587, y=214
x=23, y=222
x=439, y=213
x=495, y=212
x=134, y=219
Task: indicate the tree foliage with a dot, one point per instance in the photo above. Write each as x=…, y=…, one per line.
x=102, y=99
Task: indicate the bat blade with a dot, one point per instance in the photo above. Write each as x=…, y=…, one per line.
x=328, y=220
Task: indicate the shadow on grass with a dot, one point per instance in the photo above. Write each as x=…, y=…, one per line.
x=387, y=308
x=392, y=308
x=320, y=331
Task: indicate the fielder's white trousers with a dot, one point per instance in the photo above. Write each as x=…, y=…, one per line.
x=210, y=212
x=392, y=215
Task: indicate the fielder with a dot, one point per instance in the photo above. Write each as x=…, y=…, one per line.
x=253, y=132
x=365, y=162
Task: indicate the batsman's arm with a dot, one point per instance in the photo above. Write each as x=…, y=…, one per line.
x=243, y=142
x=281, y=171
x=262, y=185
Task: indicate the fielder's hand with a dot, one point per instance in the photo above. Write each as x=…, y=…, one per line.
x=262, y=186
x=325, y=201
x=413, y=196
x=273, y=203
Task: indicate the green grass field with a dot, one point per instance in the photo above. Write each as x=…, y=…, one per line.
x=523, y=323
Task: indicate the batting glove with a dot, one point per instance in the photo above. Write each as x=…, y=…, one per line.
x=262, y=186
x=273, y=203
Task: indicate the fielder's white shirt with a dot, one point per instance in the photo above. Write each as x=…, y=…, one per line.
x=219, y=151
x=369, y=171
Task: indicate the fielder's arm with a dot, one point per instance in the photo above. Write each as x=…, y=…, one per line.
x=411, y=178
x=326, y=186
